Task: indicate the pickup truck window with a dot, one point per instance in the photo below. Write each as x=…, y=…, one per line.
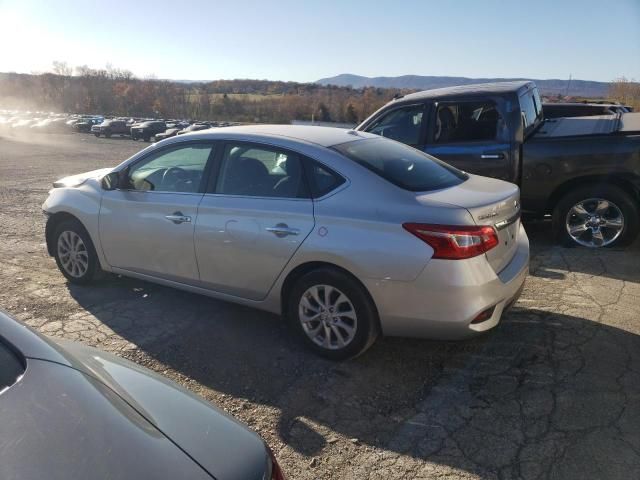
x=402, y=124
x=466, y=122
x=531, y=108
x=401, y=165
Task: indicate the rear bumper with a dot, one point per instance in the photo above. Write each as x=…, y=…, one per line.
x=442, y=302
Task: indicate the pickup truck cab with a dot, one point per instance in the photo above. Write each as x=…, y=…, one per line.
x=583, y=171
x=111, y=127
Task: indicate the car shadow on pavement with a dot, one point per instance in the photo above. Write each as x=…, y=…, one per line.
x=544, y=394
x=555, y=262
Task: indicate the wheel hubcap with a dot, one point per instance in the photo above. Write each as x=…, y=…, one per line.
x=595, y=222
x=73, y=254
x=328, y=317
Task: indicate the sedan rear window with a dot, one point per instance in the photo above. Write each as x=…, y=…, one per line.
x=11, y=367
x=402, y=165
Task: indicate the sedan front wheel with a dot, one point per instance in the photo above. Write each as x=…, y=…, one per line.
x=75, y=254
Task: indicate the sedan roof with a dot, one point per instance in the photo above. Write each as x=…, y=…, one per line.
x=324, y=136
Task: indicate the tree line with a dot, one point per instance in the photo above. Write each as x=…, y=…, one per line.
x=112, y=91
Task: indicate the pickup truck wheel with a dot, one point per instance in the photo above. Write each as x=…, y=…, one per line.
x=97, y=135
x=146, y=138
x=333, y=314
x=596, y=216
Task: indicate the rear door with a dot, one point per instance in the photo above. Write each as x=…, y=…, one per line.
x=472, y=136
x=256, y=213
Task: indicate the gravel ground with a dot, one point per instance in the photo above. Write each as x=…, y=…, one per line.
x=553, y=392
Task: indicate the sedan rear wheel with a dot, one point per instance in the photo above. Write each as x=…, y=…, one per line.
x=333, y=314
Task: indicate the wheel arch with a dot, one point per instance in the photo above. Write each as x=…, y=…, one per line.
x=596, y=180
x=52, y=223
x=304, y=268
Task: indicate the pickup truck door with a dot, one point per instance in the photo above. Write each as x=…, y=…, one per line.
x=472, y=136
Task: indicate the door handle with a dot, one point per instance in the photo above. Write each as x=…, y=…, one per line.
x=282, y=230
x=178, y=217
x=492, y=156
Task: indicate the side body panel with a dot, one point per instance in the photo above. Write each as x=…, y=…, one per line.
x=548, y=164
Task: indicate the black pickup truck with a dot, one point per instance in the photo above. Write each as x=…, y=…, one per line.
x=584, y=171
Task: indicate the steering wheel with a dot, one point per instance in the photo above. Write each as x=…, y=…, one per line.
x=174, y=175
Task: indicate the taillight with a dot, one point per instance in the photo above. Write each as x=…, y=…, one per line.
x=276, y=471
x=455, y=242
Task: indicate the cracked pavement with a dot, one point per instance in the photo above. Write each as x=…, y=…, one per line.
x=553, y=392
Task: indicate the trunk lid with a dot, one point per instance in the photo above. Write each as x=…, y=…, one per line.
x=489, y=202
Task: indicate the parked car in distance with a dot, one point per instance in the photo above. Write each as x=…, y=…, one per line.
x=111, y=127
x=557, y=110
x=146, y=130
x=170, y=132
x=84, y=125
x=80, y=413
x=194, y=128
x=346, y=234
x=584, y=172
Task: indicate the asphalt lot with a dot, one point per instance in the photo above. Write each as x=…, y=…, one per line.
x=553, y=392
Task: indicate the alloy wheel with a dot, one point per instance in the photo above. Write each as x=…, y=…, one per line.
x=328, y=317
x=595, y=222
x=73, y=254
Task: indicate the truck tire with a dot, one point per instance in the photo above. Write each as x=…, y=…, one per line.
x=97, y=135
x=146, y=137
x=596, y=216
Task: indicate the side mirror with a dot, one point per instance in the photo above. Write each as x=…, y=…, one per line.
x=111, y=181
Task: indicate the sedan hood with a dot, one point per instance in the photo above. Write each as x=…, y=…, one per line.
x=220, y=444
x=79, y=179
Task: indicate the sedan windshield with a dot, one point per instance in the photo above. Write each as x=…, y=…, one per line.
x=402, y=165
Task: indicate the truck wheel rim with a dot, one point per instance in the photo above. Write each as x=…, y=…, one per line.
x=327, y=317
x=73, y=254
x=595, y=222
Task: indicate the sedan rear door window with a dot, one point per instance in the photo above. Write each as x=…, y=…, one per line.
x=256, y=171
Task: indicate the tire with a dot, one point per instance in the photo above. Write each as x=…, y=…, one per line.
x=97, y=135
x=70, y=230
x=596, y=218
x=146, y=137
x=365, y=328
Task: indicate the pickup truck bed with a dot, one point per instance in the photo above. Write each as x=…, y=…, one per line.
x=623, y=123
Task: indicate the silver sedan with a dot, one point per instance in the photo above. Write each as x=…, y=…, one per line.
x=346, y=234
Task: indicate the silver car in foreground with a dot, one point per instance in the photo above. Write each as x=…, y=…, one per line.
x=346, y=234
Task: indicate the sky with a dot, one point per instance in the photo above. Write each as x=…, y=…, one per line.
x=304, y=40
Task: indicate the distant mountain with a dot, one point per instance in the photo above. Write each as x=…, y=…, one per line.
x=579, y=88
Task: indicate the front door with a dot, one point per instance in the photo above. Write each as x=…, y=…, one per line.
x=147, y=225
x=255, y=217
